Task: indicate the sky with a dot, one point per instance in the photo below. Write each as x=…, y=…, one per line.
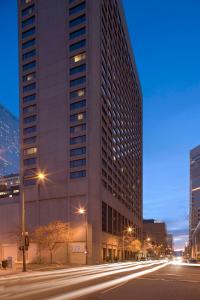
x=165, y=38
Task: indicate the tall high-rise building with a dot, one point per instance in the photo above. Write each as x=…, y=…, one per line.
x=9, y=142
x=194, y=190
x=81, y=121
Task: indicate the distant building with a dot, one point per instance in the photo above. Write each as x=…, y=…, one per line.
x=194, y=191
x=9, y=142
x=9, y=185
x=155, y=231
x=170, y=243
x=81, y=122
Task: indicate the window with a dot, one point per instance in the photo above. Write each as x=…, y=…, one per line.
x=30, y=172
x=78, y=69
x=77, y=33
x=29, y=54
x=77, y=128
x=77, y=140
x=30, y=151
x=77, y=21
x=30, y=181
x=30, y=119
x=77, y=163
x=77, y=8
x=78, y=117
x=27, y=33
x=26, y=1
x=104, y=217
x=29, y=77
x=29, y=87
x=78, y=57
x=29, y=109
x=77, y=81
x=77, y=93
x=77, y=45
x=78, y=151
x=28, y=44
x=30, y=161
x=28, y=21
x=29, y=130
x=78, y=174
x=30, y=140
x=28, y=11
x=29, y=66
x=29, y=98
x=78, y=105
x=109, y=219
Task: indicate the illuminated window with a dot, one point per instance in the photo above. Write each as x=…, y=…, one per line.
x=77, y=93
x=78, y=57
x=30, y=151
x=77, y=117
x=29, y=77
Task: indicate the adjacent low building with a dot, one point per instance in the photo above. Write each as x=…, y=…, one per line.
x=195, y=253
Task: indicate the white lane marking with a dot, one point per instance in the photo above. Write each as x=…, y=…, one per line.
x=101, y=286
x=114, y=287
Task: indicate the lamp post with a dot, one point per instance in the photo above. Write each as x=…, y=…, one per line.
x=82, y=211
x=129, y=229
x=39, y=176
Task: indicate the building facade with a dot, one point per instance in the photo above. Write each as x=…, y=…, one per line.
x=9, y=142
x=9, y=185
x=81, y=121
x=155, y=231
x=194, y=191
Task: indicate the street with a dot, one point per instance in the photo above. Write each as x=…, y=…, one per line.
x=131, y=280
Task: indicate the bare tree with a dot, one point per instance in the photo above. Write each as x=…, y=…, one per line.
x=48, y=236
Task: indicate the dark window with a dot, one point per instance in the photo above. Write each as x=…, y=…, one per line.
x=78, y=105
x=28, y=32
x=30, y=119
x=78, y=174
x=77, y=8
x=30, y=161
x=77, y=45
x=29, y=54
x=104, y=217
x=29, y=87
x=29, y=129
x=30, y=140
x=114, y=222
x=30, y=172
x=77, y=93
x=77, y=21
x=28, y=11
x=109, y=219
x=28, y=44
x=28, y=21
x=29, y=98
x=29, y=109
x=30, y=181
x=77, y=69
x=77, y=128
x=78, y=151
x=77, y=81
x=77, y=163
x=77, y=140
x=77, y=33
x=29, y=66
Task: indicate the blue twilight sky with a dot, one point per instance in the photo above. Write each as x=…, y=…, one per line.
x=165, y=37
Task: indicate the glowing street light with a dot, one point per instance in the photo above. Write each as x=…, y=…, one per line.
x=41, y=176
x=82, y=211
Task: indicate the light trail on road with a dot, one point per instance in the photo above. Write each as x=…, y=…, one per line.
x=37, y=285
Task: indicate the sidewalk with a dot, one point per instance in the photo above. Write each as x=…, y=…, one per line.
x=34, y=267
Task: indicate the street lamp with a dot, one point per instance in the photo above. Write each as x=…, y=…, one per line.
x=129, y=229
x=40, y=177
x=83, y=211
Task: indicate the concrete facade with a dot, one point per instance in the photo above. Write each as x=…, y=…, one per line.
x=194, y=191
x=81, y=122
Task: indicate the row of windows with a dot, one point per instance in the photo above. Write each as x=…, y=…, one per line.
x=77, y=174
x=28, y=21
x=78, y=139
x=78, y=69
x=77, y=163
x=28, y=33
x=29, y=77
x=77, y=21
x=28, y=11
x=30, y=119
x=78, y=81
x=29, y=54
x=77, y=45
x=77, y=33
x=78, y=151
x=78, y=117
x=75, y=9
x=28, y=44
x=29, y=87
x=29, y=66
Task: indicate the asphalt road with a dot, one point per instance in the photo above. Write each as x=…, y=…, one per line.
x=154, y=280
